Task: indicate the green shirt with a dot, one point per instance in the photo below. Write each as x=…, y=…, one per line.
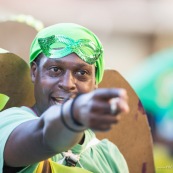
x=100, y=157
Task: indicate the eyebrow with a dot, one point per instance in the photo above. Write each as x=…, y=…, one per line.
x=82, y=64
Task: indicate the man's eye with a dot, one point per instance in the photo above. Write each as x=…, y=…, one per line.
x=82, y=73
x=55, y=69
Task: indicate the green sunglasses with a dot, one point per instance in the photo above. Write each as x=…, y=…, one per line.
x=58, y=46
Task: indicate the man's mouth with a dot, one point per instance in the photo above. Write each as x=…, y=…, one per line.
x=58, y=100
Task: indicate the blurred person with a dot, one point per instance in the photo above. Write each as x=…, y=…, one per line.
x=66, y=66
x=155, y=91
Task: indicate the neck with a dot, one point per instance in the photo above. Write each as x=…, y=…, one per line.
x=35, y=109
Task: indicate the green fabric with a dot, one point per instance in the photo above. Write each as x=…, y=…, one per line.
x=3, y=100
x=10, y=119
x=56, y=168
x=152, y=80
x=100, y=158
x=74, y=32
x=84, y=48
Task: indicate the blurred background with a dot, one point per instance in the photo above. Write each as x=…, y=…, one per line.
x=138, y=41
x=130, y=30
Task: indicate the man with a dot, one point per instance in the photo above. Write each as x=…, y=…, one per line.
x=66, y=66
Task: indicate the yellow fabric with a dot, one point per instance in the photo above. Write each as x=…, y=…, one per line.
x=163, y=159
x=39, y=168
x=57, y=168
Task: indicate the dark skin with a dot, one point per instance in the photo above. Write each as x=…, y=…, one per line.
x=55, y=80
x=60, y=79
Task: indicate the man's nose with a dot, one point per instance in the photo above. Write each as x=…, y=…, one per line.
x=67, y=82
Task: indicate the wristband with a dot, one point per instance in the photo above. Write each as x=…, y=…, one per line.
x=64, y=122
x=72, y=111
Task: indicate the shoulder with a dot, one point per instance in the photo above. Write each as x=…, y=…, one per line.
x=10, y=119
x=104, y=145
x=10, y=110
x=113, y=155
x=107, y=146
x=16, y=112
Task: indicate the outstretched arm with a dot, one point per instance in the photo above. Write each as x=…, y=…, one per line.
x=40, y=139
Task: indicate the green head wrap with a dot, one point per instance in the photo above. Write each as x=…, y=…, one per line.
x=62, y=39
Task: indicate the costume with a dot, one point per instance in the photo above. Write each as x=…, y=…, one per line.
x=100, y=157
x=11, y=118
x=58, y=41
x=62, y=39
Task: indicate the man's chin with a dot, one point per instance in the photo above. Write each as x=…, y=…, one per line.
x=56, y=103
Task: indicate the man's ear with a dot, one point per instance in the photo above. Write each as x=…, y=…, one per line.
x=33, y=71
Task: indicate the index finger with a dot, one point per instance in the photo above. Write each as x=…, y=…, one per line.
x=109, y=93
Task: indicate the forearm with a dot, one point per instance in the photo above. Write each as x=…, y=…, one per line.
x=56, y=135
x=40, y=139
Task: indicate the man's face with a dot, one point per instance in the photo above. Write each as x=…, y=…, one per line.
x=58, y=79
